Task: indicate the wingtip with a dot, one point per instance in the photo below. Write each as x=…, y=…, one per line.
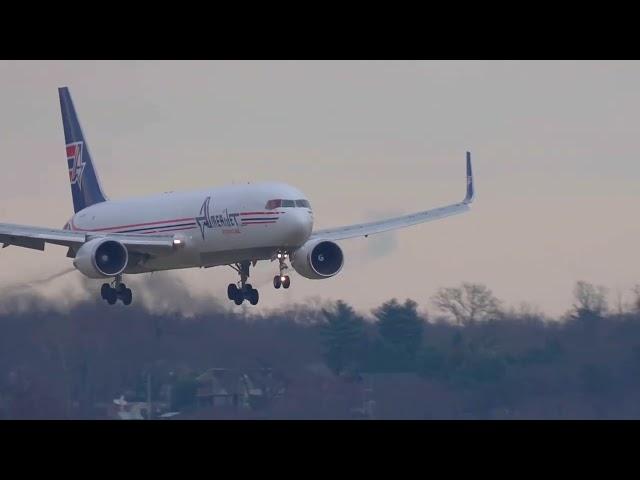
x=470, y=189
x=63, y=93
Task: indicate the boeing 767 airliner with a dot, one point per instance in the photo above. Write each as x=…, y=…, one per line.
x=235, y=225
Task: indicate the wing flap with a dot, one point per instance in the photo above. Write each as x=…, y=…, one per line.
x=26, y=242
x=35, y=237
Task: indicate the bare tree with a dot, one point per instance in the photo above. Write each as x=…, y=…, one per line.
x=590, y=298
x=526, y=311
x=636, y=300
x=468, y=303
x=620, y=307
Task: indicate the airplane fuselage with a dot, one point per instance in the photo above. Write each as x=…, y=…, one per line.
x=218, y=226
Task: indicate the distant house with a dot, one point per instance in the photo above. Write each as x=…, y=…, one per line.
x=261, y=387
x=221, y=387
x=121, y=409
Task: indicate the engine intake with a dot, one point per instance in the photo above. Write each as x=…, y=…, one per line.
x=101, y=258
x=318, y=259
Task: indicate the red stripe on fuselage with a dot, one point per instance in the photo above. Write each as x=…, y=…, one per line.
x=128, y=226
x=260, y=213
x=168, y=230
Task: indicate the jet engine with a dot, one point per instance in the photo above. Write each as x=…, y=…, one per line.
x=318, y=259
x=101, y=258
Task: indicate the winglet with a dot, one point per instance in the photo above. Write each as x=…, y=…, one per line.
x=470, y=191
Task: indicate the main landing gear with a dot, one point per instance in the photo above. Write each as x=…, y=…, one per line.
x=116, y=291
x=282, y=280
x=246, y=291
x=242, y=291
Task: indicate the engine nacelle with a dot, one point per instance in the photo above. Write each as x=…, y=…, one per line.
x=101, y=258
x=318, y=259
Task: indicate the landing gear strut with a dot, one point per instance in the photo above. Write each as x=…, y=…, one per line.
x=116, y=291
x=282, y=280
x=245, y=291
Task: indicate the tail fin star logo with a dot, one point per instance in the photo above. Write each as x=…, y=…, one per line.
x=75, y=162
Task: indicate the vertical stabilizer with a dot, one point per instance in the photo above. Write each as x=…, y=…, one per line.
x=85, y=184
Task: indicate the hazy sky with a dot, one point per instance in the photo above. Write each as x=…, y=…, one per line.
x=555, y=148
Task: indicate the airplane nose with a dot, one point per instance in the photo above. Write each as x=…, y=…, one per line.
x=300, y=223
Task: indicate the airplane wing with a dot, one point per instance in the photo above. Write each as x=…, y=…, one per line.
x=36, y=237
x=366, y=229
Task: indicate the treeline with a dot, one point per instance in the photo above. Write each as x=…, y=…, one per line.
x=464, y=357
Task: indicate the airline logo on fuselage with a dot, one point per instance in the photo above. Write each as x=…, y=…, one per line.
x=223, y=220
x=75, y=163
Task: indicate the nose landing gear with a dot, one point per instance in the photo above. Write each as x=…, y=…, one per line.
x=116, y=291
x=282, y=280
x=246, y=291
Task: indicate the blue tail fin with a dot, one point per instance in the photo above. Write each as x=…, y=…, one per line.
x=85, y=184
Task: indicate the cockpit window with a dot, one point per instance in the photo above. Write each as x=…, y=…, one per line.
x=278, y=203
x=271, y=204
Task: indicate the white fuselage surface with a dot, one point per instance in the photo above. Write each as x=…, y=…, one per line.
x=216, y=227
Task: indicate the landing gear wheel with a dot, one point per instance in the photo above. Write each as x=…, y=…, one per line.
x=239, y=298
x=111, y=296
x=127, y=296
x=119, y=292
x=282, y=280
x=253, y=296
x=245, y=291
x=104, y=291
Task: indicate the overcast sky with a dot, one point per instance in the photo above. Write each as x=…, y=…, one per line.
x=555, y=148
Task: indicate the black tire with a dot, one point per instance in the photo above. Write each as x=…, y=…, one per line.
x=254, y=296
x=239, y=298
x=248, y=287
x=232, y=291
x=287, y=282
x=121, y=288
x=104, y=291
x=127, y=296
x=276, y=281
x=112, y=296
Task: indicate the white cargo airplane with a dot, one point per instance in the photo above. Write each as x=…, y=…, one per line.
x=236, y=225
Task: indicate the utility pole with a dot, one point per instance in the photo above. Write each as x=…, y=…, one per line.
x=368, y=402
x=149, y=409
